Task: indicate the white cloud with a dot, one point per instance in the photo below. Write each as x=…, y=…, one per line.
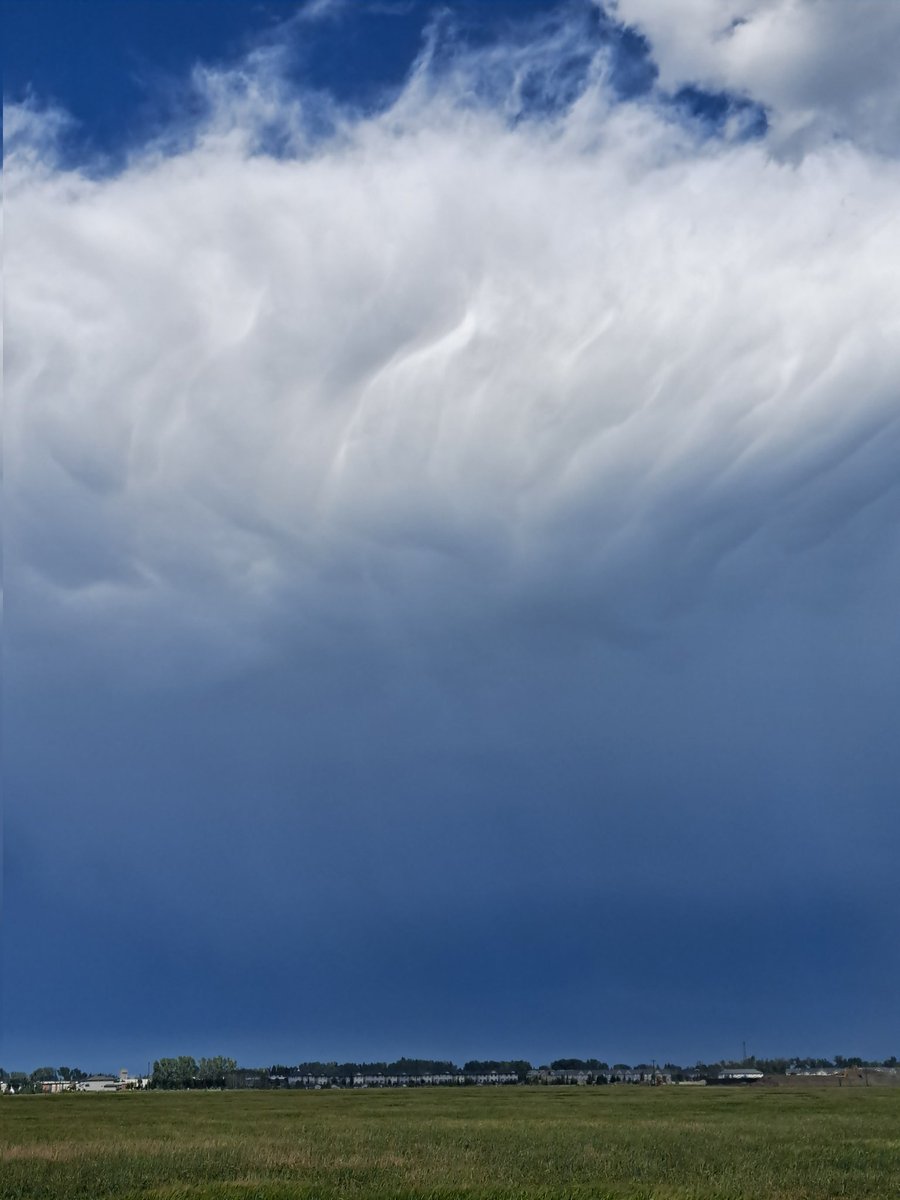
x=443, y=367
x=31, y=134
x=825, y=68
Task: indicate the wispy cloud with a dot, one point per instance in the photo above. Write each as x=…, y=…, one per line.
x=590, y=353
x=322, y=10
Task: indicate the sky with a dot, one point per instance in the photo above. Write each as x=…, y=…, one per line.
x=450, y=530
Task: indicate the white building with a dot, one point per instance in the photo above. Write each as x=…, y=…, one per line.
x=740, y=1074
x=98, y=1083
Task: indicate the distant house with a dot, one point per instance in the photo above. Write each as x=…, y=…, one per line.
x=98, y=1083
x=740, y=1075
x=576, y=1076
x=647, y=1075
x=358, y=1080
x=58, y=1085
x=123, y=1082
x=810, y=1072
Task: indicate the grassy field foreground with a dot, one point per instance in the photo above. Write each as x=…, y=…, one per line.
x=543, y=1143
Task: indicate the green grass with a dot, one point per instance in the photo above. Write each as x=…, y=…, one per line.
x=528, y=1143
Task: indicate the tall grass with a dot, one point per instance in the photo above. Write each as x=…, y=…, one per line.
x=528, y=1143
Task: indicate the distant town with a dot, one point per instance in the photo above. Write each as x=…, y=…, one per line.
x=185, y=1072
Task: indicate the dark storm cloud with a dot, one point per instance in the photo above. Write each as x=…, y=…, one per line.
x=461, y=552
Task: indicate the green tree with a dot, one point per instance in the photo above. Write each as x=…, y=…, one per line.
x=71, y=1074
x=169, y=1073
x=212, y=1072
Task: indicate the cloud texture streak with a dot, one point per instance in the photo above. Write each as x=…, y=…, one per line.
x=593, y=353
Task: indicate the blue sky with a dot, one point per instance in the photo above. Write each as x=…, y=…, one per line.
x=451, y=519
x=119, y=69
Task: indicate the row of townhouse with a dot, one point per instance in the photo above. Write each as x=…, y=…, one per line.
x=648, y=1075
x=490, y=1078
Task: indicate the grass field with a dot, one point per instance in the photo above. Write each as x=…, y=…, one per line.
x=548, y=1143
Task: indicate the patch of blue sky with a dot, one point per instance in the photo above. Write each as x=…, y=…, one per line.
x=720, y=113
x=118, y=69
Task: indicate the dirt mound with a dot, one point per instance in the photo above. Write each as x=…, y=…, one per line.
x=850, y=1077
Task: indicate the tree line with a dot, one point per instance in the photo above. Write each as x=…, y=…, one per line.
x=219, y=1071
x=185, y=1072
